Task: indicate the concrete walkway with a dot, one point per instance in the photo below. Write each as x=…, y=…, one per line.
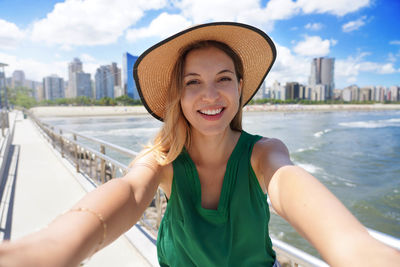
x=46, y=187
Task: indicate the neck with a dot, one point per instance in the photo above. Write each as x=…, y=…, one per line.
x=213, y=149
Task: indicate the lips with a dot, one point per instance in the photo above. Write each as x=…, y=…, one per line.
x=211, y=114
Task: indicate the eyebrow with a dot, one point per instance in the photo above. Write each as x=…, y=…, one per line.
x=196, y=74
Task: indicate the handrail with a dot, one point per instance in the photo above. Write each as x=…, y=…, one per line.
x=296, y=256
x=117, y=148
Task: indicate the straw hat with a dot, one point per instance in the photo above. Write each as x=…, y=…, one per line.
x=152, y=70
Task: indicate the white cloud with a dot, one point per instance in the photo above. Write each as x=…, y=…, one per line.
x=289, y=67
x=314, y=26
x=281, y=9
x=348, y=69
x=10, y=35
x=354, y=25
x=87, y=57
x=90, y=22
x=395, y=42
x=34, y=70
x=337, y=7
x=162, y=26
x=381, y=68
x=314, y=46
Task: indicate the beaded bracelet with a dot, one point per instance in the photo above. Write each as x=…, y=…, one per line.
x=101, y=219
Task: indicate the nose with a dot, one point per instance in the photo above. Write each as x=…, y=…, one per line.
x=211, y=92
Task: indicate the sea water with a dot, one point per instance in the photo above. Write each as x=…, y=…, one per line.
x=355, y=154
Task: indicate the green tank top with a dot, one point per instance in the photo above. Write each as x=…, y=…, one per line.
x=236, y=234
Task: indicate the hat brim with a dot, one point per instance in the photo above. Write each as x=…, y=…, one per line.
x=152, y=70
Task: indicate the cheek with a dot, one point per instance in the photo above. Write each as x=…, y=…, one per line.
x=186, y=105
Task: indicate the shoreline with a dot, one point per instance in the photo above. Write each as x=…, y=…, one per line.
x=83, y=111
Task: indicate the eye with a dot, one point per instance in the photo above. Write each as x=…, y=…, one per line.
x=225, y=79
x=191, y=82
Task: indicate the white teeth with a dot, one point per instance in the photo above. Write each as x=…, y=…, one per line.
x=211, y=111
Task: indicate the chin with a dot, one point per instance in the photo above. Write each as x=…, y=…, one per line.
x=212, y=130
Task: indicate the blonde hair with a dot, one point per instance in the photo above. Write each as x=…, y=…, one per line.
x=175, y=133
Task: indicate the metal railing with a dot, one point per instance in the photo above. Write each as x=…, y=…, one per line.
x=100, y=168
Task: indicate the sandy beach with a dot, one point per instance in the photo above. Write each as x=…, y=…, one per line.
x=79, y=111
x=73, y=111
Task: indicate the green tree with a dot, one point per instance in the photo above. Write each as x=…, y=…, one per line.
x=21, y=97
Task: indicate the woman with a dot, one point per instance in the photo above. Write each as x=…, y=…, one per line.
x=214, y=174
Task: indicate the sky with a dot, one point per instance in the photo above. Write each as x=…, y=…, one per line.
x=41, y=37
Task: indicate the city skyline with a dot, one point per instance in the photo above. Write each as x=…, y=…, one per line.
x=361, y=35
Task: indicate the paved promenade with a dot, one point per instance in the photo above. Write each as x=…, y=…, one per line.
x=46, y=187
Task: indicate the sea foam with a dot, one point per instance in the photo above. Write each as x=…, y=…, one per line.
x=395, y=122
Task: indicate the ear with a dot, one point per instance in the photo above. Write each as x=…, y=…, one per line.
x=240, y=86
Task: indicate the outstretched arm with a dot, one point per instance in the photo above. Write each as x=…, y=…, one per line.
x=317, y=214
x=75, y=235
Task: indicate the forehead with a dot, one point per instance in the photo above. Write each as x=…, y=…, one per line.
x=209, y=58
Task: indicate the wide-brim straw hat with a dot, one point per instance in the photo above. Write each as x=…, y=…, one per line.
x=152, y=70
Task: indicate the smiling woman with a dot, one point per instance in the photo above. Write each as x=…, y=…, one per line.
x=214, y=174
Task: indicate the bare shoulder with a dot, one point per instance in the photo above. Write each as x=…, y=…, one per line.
x=146, y=163
x=269, y=154
x=269, y=149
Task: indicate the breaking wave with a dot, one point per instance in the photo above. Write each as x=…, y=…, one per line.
x=321, y=133
x=372, y=124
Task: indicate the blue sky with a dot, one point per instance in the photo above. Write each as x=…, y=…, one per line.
x=41, y=37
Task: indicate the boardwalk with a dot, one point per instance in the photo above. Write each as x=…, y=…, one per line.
x=46, y=187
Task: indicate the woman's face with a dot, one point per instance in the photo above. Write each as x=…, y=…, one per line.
x=211, y=91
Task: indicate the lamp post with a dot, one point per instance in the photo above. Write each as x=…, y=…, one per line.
x=3, y=87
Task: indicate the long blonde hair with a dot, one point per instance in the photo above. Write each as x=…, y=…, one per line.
x=176, y=130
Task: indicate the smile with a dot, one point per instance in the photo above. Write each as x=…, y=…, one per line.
x=211, y=112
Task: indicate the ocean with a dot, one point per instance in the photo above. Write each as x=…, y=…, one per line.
x=355, y=154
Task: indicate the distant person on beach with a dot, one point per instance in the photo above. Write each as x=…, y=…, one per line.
x=214, y=174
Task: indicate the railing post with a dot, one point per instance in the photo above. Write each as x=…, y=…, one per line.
x=53, y=137
x=61, y=143
x=102, y=165
x=76, y=154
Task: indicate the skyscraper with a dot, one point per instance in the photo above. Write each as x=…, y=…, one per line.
x=104, y=81
x=292, y=90
x=116, y=73
x=322, y=72
x=79, y=83
x=82, y=84
x=18, y=78
x=53, y=87
x=127, y=70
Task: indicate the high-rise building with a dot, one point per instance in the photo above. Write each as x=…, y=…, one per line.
x=127, y=75
x=116, y=73
x=365, y=94
x=278, y=91
x=292, y=90
x=53, y=87
x=104, y=81
x=18, y=79
x=73, y=67
x=322, y=72
x=81, y=84
x=394, y=93
x=379, y=93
